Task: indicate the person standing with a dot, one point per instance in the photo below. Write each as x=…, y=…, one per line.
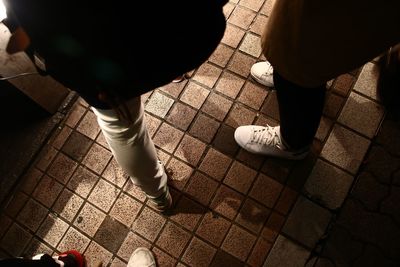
x=307, y=43
x=110, y=56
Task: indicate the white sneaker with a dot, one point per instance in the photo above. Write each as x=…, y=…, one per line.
x=266, y=141
x=142, y=257
x=262, y=72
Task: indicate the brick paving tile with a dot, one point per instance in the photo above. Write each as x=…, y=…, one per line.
x=174, y=89
x=111, y=234
x=190, y=150
x=238, y=242
x=252, y=216
x=125, y=209
x=259, y=253
x=198, y=253
x=32, y=215
x=240, y=115
x=62, y=137
x=227, y=202
x=224, y=141
x=187, y=213
x=242, y=17
x=217, y=106
x=343, y=84
x=258, y=24
x=68, y=204
x=229, y=84
x=46, y=157
x=213, y=228
x=163, y=259
x=215, y=164
x=76, y=146
x=73, y=239
x=62, y=168
x=52, y=230
x=181, y=116
x=240, y=177
x=148, y=224
x=221, y=55
x=253, y=95
x=204, y=128
x=167, y=137
x=75, y=115
x=96, y=254
x=241, y=64
x=88, y=125
x=82, y=181
x=16, y=203
x=273, y=226
x=194, y=95
x=173, y=239
x=201, y=188
x=132, y=242
x=89, y=219
x=233, y=35
x=266, y=190
x=270, y=106
x=207, y=74
x=30, y=180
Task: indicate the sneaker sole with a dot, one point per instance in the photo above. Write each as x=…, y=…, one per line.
x=260, y=81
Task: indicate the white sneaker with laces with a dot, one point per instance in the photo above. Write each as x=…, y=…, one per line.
x=266, y=141
x=142, y=257
x=262, y=72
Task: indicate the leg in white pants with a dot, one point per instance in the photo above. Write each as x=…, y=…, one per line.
x=133, y=149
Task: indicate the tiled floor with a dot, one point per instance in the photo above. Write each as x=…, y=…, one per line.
x=232, y=208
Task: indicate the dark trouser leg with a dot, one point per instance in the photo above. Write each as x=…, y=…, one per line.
x=45, y=261
x=300, y=111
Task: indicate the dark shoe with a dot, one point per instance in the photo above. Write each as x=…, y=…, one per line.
x=163, y=203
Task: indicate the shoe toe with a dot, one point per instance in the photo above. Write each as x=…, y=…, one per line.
x=242, y=135
x=262, y=72
x=258, y=69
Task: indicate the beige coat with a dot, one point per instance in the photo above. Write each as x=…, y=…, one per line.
x=312, y=41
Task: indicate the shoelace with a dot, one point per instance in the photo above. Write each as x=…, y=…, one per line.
x=267, y=136
x=268, y=72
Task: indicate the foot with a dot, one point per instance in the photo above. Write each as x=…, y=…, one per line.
x=179, y=79
x=266, y=141
x=262, y=72
x=142, y=257
x=162, y=203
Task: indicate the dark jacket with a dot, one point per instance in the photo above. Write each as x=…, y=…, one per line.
x=125, y=47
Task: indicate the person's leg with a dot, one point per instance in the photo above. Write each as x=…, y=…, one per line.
x=134, y=150
x=300, y=111
x=142, y=257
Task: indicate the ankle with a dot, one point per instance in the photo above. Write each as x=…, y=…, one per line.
x=290, y=147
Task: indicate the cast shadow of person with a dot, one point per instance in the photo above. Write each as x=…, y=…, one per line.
x=191, y=180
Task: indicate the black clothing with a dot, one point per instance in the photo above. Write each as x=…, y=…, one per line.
x=127, y=48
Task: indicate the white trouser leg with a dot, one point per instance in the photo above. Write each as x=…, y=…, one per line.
x=133, y=149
